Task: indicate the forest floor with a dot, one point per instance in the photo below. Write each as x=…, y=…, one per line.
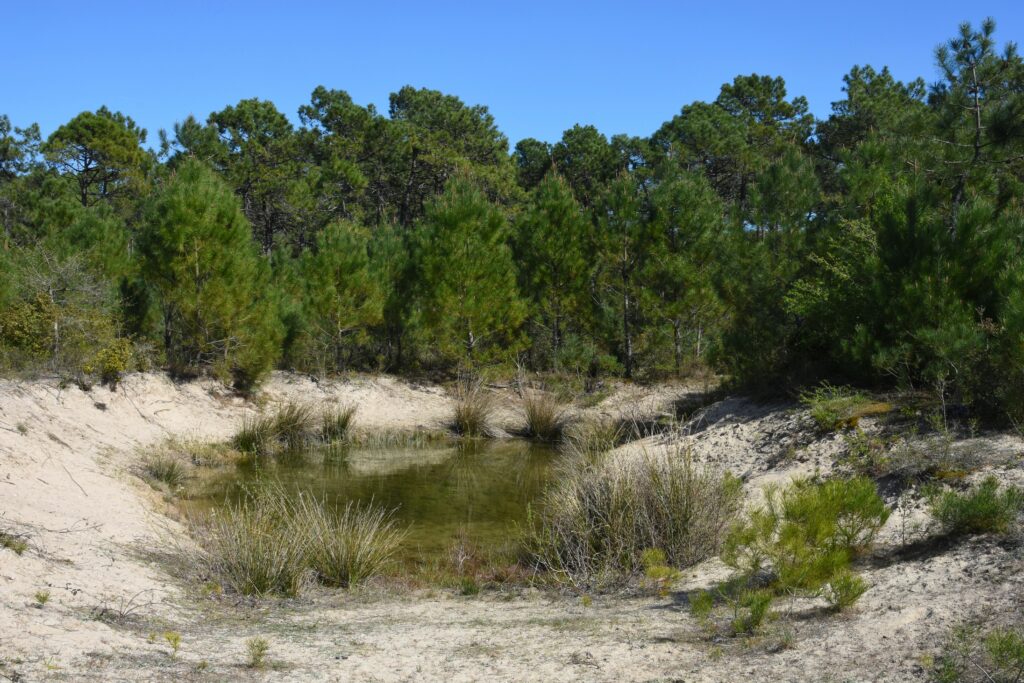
x=102, y=546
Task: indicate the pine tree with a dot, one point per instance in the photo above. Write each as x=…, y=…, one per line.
x=464, y=273
x=551, y=238
x=344, y=300
x=211, y=285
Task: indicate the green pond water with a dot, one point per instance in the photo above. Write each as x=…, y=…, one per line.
x=480, y=491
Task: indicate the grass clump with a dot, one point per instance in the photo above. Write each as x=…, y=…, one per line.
x=293, y=427
x=269, y=543
x=345, y=549
x=834, y=408
x=983, y=509
x=970, y=655
x=336, y=423
x=545, y=416
x=42, y=597
x=250, y=546
x=598, y=521
x=165, y=468
x=256, y=436
x=473, y=409
x=16, y=543
x=592, y=439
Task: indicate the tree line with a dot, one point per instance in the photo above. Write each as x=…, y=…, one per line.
x=882, y=244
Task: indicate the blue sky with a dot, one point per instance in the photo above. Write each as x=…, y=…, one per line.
x=539, y=66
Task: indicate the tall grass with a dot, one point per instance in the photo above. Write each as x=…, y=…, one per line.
x=336, y=423
x=269, y=542
x=293, y=427
x=165, y=468
x=592, y=439
x=474, y=407
x=545, y=417
x=345, y=549
x=250, y=544
x=597, y=521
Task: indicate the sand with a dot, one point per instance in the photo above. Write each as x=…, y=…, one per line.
x=101, y=544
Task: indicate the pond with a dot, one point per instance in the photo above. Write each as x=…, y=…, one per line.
x=479, y=491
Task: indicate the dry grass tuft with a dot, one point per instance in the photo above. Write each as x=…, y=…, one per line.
x=546, y=419
x=602, y=515
x=474, y=407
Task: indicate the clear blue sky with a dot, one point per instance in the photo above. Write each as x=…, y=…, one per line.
x=540, y=66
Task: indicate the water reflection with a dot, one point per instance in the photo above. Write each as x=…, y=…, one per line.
x=480, y=489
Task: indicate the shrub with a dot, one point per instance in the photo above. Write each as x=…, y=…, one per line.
x=807, y=535
x=834, y=408
x=844, y=589
x=345, y=549
x=750, y=610
x=335, y=423
x=545, y=416
x=257, y=649
x=473, y=409
x=980, y=510
x=596, y=523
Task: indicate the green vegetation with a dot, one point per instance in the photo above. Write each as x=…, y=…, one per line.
x=345, y=549
x=292, y=427
x=877, y=245
x=972, y=655
x=257, y=648
x=17, y=543
x=600, y=517
x=834, y=408
x=165, y=468
x=801, y=541
x=269, y=542
x=42, y=597
x=982, y=509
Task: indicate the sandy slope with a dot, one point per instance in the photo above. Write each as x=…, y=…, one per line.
x=97, y=543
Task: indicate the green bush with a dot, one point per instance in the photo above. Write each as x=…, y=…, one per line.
x=545, y=416
x=834, y=408
x=807, y=535
x=596, y=523
x=980, y=510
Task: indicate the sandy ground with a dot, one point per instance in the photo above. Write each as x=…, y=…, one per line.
x=98, y=543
